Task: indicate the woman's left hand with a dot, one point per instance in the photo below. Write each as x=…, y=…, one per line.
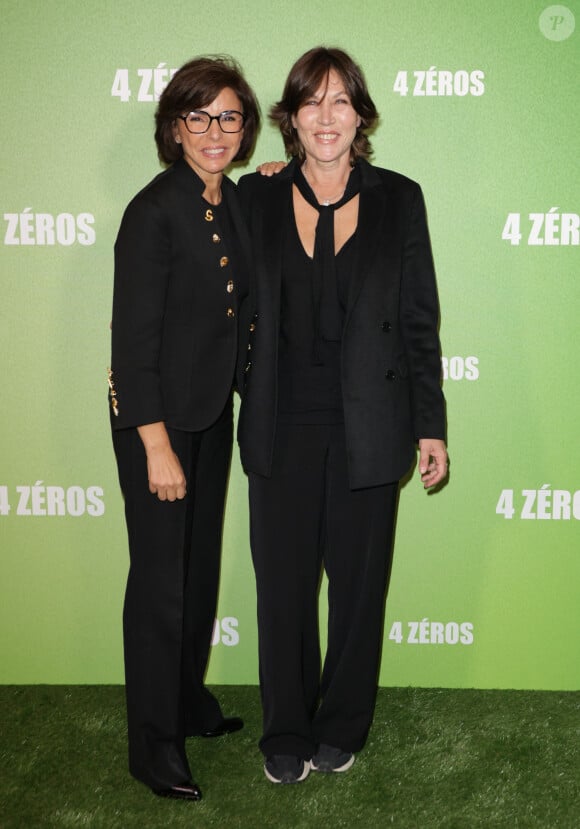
x=433, y=461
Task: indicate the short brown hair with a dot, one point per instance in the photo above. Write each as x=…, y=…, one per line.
x=305, y=77
x=196, y=85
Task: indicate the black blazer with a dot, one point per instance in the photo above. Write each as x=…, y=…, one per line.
x=176, y=304
x=391, y=362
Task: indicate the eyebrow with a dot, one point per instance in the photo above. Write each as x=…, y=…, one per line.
x=329, y=92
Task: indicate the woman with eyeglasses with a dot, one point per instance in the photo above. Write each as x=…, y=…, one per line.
x=181, y=277
x=342, y=387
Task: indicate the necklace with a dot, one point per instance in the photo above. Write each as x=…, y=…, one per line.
x=324, y=202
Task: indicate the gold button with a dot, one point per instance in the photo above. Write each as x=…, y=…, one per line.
x=215, y=238
x=230, y=312
x=224, y=261
x=252, y=327
x=208, y=216
x=230, y=287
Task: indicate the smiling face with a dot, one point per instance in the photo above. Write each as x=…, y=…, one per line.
x=211, y=152
x=326, y=123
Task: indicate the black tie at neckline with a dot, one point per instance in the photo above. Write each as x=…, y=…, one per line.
x=326, y=306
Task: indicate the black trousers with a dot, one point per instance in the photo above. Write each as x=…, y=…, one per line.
x=171, y=598
x=302, y=518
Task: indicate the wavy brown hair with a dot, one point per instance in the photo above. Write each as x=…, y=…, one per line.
x=306, y=76
x=195, y=86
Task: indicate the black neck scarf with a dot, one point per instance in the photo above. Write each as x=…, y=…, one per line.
x=326, y=306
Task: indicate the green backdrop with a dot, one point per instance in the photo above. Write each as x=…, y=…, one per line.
x=479, y=102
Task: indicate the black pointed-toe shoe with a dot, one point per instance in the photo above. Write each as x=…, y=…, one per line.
x=185, y=791
x=227, y=726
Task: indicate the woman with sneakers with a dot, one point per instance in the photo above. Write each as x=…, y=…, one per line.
x=342, y=382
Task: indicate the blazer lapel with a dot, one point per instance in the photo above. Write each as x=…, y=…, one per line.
x=275, y=212
x=373, y=219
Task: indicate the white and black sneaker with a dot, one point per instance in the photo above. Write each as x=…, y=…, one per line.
x=286, y=768
x=329, y=759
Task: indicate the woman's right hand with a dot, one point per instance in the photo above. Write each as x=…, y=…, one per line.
x=270, y=168
x=166, y=478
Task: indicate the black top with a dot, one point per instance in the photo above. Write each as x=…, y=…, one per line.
x=309, y=388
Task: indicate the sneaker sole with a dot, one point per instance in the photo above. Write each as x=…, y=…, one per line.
x=302, y=777
x=344, y=767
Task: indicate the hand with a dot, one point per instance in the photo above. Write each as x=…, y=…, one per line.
x=166, y=478
x=433, y=461
x=270, y=168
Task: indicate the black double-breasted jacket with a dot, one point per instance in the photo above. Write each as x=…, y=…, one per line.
x=390, y=353
x=176, y=305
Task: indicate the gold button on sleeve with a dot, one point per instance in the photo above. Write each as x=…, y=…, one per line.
x=112, y=392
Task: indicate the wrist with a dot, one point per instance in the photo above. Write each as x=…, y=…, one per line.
x=154, y=437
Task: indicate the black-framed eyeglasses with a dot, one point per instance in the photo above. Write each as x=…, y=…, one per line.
x=199, y=121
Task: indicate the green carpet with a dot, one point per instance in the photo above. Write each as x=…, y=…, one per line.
x=453, y=759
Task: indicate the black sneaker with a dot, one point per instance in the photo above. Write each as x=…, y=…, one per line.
x=286, y=768
x=329, y=758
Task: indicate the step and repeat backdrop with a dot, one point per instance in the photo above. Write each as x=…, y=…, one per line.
x=479, y=103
